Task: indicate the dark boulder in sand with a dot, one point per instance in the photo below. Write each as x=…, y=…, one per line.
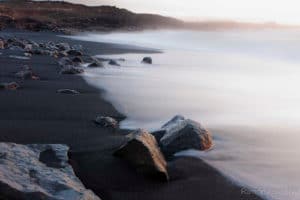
x=147, y=60
x=67, y=91
x=143, y=152
x=69, y=69
x=106, y=121
x=39, y=171
x=74, y=52
x=9, y=86
x=182, y=134
x=113, y=62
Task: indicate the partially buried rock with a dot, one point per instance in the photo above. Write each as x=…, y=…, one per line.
x=113, y=62
x=69, y=69
x=144, y=154
x=39, y=171
x=182, y=134
x=67, y=91
x=9, y=86
x=106, y=121
x=27, y=54
x=147, y=60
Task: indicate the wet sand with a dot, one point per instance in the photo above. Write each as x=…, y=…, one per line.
x=37, y=114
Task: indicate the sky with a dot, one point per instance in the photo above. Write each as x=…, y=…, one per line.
x=280, y=11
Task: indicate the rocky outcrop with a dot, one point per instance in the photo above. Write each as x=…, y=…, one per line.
x=106, y=121
x=38, y=172
x=182, y=134
x=71, y=17
x=147, y=60
x=143, y=152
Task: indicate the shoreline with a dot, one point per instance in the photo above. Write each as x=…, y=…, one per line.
x=67, y=119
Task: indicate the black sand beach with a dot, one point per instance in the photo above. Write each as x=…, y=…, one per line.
x=37, y=114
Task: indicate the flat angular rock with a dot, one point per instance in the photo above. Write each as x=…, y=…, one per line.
x=143, y=152
x=67, y=91
x=106, y=121
x=182, y=134
x=39, y=171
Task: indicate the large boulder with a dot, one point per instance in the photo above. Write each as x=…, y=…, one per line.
x=182, y=134
x=143, y=152
x=38, y=172
x=147, y=60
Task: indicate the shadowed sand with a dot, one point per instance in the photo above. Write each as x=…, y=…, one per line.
x=37, y=114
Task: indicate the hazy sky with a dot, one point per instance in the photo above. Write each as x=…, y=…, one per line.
x=283, y=11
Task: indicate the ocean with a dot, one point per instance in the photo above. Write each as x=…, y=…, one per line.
x=243, y=85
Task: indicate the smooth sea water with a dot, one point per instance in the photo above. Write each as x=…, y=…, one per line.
x=244, y=86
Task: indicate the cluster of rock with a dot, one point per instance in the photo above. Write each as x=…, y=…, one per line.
x=147, y=151
x=39, y=171
x=70, y=58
